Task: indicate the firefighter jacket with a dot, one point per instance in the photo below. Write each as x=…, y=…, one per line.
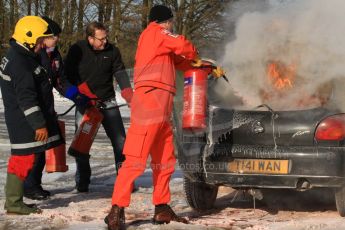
x=96, y=68
x=159, y=52
x=28, y=101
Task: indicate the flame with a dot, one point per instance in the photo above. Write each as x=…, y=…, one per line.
x=282, y=76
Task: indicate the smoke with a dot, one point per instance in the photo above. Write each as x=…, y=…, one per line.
x=309, y=35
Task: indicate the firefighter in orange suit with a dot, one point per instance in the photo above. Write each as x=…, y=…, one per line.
x=159, y=54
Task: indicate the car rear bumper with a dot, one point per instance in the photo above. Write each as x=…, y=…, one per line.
x=273, y=181
x=316, y=166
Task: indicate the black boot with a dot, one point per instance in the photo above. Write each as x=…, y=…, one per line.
x=36, y=193
x=32, y=184
x=83, y=173
x=164, y=214
x=116, y=218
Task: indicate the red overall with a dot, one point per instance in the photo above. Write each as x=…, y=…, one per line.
x=150, y=131
x=20, y=165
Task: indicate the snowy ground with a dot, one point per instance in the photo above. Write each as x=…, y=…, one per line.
x=283, y=210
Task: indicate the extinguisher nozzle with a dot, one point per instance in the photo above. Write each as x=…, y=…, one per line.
x=225, y=78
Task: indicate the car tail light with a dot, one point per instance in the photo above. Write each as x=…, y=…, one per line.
x=331, y=129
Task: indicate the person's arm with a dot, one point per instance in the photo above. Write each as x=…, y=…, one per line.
x=178, y=44
x=71, y=64
x=181, y=63
x=121, y=76
x=59, y=73
x=71, y=85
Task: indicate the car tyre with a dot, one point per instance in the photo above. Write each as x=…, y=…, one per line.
x=199, y=195
x=340, y=200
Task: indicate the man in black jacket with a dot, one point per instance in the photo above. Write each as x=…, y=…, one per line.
x=29, y=110
x=51, y=60
x=91, y=64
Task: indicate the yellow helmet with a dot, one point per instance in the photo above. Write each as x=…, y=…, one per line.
x=29, y=28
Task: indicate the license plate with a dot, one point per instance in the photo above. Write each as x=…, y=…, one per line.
x=259, y=166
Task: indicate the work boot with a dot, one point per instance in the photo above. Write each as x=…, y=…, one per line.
x=14, y=197
x=46, y=192
x=116, y=218
x=164, y=214
x=36, y=193
x=82, y=174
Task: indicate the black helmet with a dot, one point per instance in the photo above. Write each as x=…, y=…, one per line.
x=53, y=26
x=160, y=13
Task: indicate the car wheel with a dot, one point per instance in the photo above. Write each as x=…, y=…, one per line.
x=340, y=200
x=199, y=195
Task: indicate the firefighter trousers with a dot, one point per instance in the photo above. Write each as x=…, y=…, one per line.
x=150, y=133
x=34, y=178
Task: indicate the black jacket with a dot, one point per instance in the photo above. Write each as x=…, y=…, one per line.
x=54, y=66
x=28, y=101
x=96, y=68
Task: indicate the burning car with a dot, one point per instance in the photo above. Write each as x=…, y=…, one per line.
x=263, y=148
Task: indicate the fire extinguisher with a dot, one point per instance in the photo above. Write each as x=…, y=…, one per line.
x=56, y=157
x=86, y=133
x=194, y=99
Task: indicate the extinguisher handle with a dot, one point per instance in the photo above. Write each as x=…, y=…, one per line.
x=211, y=64
x=213, y=67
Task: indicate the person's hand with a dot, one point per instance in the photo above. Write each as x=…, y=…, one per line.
x=197, y=62
x=81, y=100
x=78, y=98
x=218, y=72
x=127, y=94
x=84, y=88
x=41, y=134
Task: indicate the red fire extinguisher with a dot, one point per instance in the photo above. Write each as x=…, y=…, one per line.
x=194, y=105
x=56, y=157
x=86, y=132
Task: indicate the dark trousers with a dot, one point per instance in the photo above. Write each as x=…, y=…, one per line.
x=34, y=178
x=113, y=126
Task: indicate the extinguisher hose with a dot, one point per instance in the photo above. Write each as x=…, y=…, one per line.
x=104, y=107
x=67, y=111
x=70, y=108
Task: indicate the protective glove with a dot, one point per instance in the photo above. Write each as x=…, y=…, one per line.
x=197, y=62
x=41, y=134
x=78, y=98
x=127, y=94
x=84, y=89
x=218, y=72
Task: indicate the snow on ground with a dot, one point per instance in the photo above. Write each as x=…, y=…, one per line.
x=66, y=209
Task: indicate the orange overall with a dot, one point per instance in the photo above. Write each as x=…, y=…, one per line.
x=150, y=131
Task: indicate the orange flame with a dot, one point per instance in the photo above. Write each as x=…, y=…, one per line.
x=282, y=76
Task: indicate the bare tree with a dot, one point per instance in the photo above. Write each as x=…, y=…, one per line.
x=37, y=2
x=13, y=12
x=80, y=17
x=47, y=4
x=29, y=4
x=199, y=20
x=147, y=4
